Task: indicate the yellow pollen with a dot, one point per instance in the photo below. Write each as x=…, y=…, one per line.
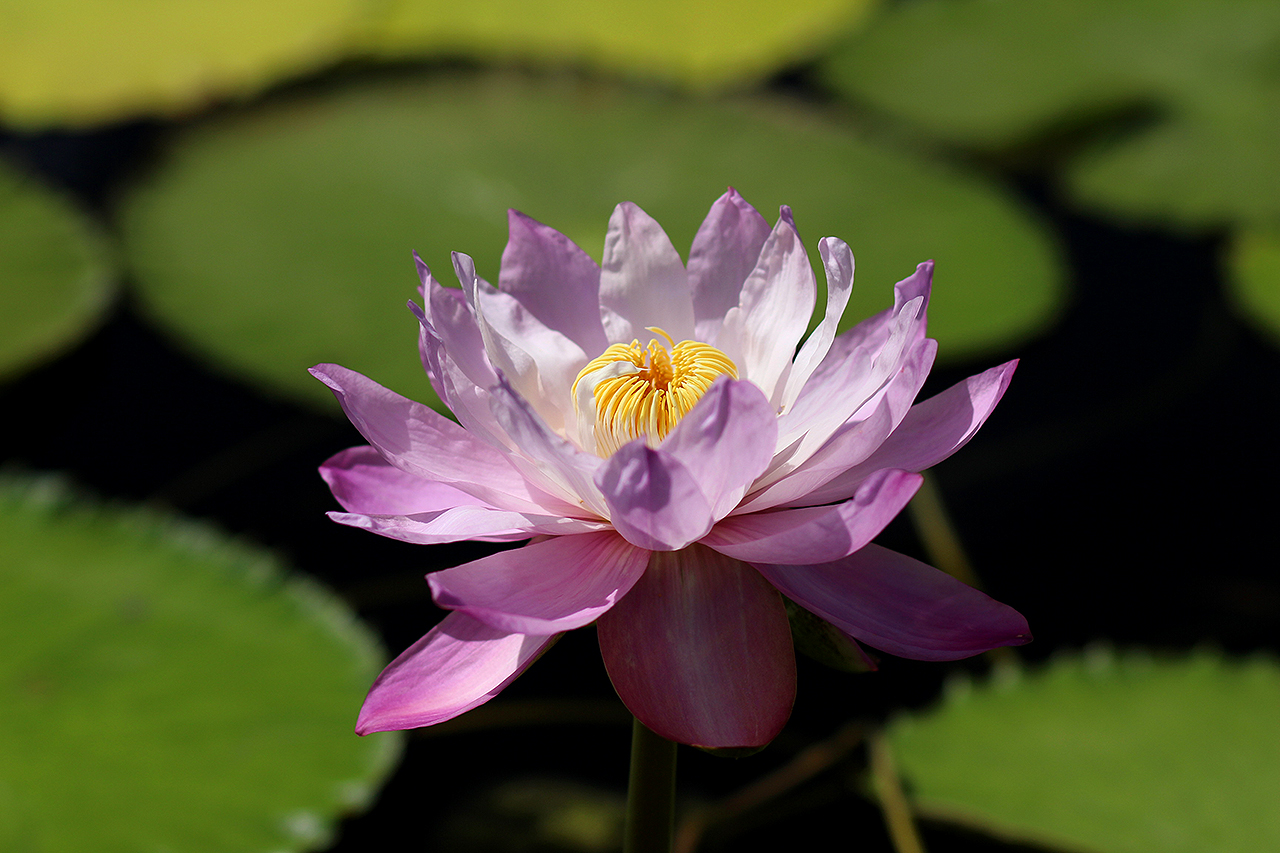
x=650, y=389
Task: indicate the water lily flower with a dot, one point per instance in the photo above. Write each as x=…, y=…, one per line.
x=679, y=457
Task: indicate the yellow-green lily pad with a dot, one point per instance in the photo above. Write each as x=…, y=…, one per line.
x=165, y=688
x=1254, y=279
x=56, y=274
x=1163, y=110
x=280, y=238
x=77, y=62
x=1107, y=754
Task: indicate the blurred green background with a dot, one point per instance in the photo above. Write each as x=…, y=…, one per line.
x=200, y=200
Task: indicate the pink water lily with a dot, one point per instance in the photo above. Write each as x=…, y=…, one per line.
x=679, y=456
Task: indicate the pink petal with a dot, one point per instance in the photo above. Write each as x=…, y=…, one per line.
x=654, y=500
x=725, y=442
x=642, y=280
x=816, y=534
x=838, y=262
x=554, y=280
x=364, y=482
x=900, y=605
x=773, y=310
x=724, y=253
x=554, y=585
x=700, y=651
x=931, y=431
x=459, y=523
x=458, y=665
x=424, y=443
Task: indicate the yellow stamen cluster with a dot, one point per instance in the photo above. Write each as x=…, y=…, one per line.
x=654, y=390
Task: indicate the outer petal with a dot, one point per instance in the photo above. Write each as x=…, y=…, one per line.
x=458, y=523
x=642, y=280
x=554, y=280
x=700, y=651
x=900, y=605
x=724, y=253
x=931, y=431
x=816, y=534
x=364, y=482
x=555, y=585
x=654, y=500
x=458, y=665
x=726, y=441
x=773, y=311
x=421, y=442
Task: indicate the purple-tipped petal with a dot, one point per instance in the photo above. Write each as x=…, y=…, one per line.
x=554, y=585
x=458, y=665
x=931, y=431
x=554, y=280
x=816, y=534
x=724, y=253
x=424, y=443
x=364, y=482
x=726, y=441
x=654, y=500
x=901, y=606
x=700, y=651
x=460, y=523
x=837, y=260
x=642, y=280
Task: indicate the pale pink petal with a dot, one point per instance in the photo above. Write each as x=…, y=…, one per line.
x=816, y=534
x=725, y=442
x=700, y=651
x=654, y=500
x=900, y=605
x=424, y=443
x=642, y=280
x=554, y=280
x=364, y=482
x=464, y=522
x=545, y=458
x=838, y=261
x=773, y=311
x=553, y=585
x=459, y=665
x=446, y=312
x=931, y=431
x=724, y=253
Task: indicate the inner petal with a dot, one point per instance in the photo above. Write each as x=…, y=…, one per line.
x=643, y=392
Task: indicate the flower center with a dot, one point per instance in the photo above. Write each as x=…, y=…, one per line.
x=645, y=392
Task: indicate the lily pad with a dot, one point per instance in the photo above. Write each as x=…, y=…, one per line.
x=76, y=62
x=1107, y=754
x=280, y=238
x=700, y=43
x=165, y=688
x=1254, y=279
x=1177, y=102
x=56, y=277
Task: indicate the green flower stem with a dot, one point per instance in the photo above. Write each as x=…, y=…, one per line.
x=893, y=802
x=651, y=793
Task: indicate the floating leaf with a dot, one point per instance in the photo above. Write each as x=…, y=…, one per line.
x=85, y=61
x=282, y=238
x=695, y=42
x=1255, y=279
x=166, y=689
x=1107, y=754
x=1180, y=98
x=55, y=277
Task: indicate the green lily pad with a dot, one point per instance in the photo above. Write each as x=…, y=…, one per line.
x=1177, y=102
x=281, y=238
x=694, y=42
x=55, y=274
x=1254, y=280
x=75, y=62
x=165, y=688
x=1107, y=754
